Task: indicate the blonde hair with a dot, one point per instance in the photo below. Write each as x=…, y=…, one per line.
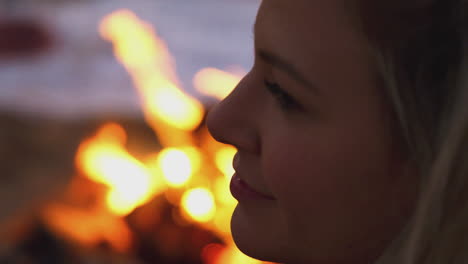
x=421, y=48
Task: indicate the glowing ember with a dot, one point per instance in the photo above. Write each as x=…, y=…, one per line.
x=211, y=253
x=195, y=156
x=199, y=204
x=147, y=59
x=176, y=166
x=105, y=160
x=216, y=83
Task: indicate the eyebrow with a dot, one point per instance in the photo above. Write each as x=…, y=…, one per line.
x=280, y=63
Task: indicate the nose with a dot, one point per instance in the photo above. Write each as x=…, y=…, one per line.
x=233, y=120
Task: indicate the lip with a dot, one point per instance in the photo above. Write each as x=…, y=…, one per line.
x=241, y=191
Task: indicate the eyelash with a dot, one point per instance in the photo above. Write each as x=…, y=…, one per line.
x=285, y=101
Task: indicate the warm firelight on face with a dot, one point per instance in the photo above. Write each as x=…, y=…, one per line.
x=199, y=204
x=104, y=159
x=216, y=83
x=147, y=59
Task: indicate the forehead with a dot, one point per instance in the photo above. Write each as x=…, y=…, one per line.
x=306, y=20
x=308, y=10
x=319, y=37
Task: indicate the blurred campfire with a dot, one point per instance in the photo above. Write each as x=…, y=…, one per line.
x=145, y=190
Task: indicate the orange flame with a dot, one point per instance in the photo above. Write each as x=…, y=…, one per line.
x=173, y=115
x=216, y=83
x=147, y=59
x=88, y=228
x=177, y=166
x=105, y=160
x=223, y=160
x=199, y=204
x=220, y=254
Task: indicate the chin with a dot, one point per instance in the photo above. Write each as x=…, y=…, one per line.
x=258, y=241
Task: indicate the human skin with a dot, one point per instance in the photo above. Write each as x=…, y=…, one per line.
x=321, y=142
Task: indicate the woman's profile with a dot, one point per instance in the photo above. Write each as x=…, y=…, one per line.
x=352, y=133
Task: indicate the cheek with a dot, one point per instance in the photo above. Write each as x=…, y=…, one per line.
x=306, y=175
x=324, y=165
x=327, y=186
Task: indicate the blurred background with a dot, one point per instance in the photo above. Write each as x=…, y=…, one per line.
x=105, y=156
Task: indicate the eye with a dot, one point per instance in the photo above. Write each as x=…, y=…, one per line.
x=285, y=101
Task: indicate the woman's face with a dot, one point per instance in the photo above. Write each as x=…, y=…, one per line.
x=313, y=134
